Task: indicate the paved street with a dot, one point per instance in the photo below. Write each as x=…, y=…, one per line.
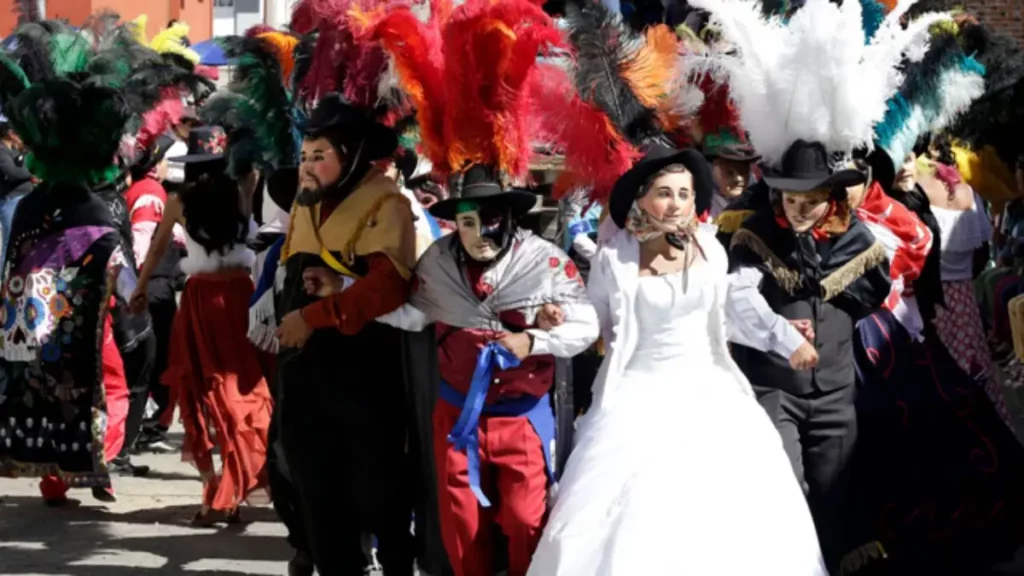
x=146, y=532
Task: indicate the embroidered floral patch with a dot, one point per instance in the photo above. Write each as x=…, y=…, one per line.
x=571, y=271
x=554, y=262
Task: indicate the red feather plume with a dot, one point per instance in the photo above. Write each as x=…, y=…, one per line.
x=257, y=29
x=469, y=77
x=161, y=118
x=718, y=113
x=596, y=153
x=342, y=60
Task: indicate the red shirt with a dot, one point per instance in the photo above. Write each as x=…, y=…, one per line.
x=458, y=349
x=382, y=290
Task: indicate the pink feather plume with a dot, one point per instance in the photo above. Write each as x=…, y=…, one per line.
x=166, y=114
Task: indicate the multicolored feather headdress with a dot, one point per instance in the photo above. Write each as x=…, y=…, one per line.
x=469, y=76
x=615, y=93
x=341, y=60
x=257, y=110
x=814, y=77
x=71, y=102
x=935, y=90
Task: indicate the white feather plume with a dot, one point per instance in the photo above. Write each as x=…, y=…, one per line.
x=814, y=78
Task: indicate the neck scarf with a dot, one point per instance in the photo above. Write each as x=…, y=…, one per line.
x=818, y=231
x=646, y=227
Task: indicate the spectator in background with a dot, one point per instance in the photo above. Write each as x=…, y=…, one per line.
x=15, y=180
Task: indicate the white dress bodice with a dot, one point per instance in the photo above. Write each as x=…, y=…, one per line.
x=672, y=323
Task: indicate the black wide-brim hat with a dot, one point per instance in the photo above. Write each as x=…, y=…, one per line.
x=805, y=168
x=342, y=123
x=630, y=185
x=480, y=184
x=205, y=143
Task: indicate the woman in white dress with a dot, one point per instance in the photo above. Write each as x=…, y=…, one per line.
x=676, y=468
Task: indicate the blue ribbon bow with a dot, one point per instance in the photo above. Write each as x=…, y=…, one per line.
x=465, y=433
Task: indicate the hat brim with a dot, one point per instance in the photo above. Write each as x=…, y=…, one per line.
x=627, y=187
x=195, y=158
x=734, y=156
x=520, y=202
x=843, y=178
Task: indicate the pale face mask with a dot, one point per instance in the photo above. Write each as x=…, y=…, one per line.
x=476, y=235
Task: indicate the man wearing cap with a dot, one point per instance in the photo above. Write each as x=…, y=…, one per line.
x=343, y=412
x=487, y=291
x=804, y=270
x=731, y=164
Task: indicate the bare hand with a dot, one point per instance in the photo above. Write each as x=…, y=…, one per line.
x=518, y=343
x=805, y=357
x=805, y=327
x=139, y=302
x=293, y=331
x=322, y=282
x=550, y=316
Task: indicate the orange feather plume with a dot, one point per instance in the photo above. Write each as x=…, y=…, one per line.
x=283, y=47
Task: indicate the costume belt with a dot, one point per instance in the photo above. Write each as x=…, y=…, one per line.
x=465, y=433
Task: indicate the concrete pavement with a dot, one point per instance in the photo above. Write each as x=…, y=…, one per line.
x=146, y=532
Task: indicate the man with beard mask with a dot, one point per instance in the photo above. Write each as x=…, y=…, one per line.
x=343, y=417
x=491, y=292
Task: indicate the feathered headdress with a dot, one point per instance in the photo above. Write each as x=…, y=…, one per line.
x=341, y=60
x=935, y=90
x=469, y=77
x=257, y=110
x=70, y=103
x=614, y=94
x=812, y=78
x=171, y=41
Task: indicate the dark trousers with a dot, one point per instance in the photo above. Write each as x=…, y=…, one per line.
x=819, y=431
x=349, y=466
x=284, y=493
x=138, y=371
x=162, y=310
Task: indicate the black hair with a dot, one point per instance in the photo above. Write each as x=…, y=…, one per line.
x=213, y=217
x=5, y=129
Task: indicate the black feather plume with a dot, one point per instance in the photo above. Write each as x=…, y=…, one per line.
x=603, y=48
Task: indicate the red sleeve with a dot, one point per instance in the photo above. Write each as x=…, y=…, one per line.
x=381, y=291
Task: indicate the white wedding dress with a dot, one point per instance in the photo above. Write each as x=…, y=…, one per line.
x=680, y=471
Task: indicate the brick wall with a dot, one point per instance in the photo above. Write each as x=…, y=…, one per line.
x=1007, y=16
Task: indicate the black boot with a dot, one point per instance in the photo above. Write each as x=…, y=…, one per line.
x=122, y=466
x=301, y=564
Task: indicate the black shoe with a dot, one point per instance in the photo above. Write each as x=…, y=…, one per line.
x=122, y=466
x=104, y=494
x=301, y=564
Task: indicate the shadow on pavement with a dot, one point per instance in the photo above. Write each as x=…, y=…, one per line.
x=35, y=538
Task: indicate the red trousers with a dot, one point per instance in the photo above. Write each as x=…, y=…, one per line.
x=513, y=474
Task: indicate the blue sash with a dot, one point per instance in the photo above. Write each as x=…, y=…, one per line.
x=465, y=433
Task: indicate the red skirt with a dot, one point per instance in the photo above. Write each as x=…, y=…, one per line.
x=115, y=385
x=223, y=398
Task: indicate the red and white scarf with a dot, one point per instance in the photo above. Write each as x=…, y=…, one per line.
x=907, y=242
